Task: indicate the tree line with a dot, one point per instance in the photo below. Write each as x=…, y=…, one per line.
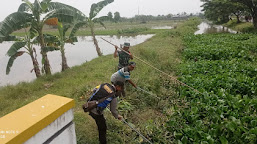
x=146, y=18
x=221, y=11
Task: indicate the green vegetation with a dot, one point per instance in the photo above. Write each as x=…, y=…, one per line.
x=223, y=67
x=148, y=114
x=132, y=30
x=244, y=27
x=116, y=17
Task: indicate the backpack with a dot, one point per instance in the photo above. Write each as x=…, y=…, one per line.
x=101, y=93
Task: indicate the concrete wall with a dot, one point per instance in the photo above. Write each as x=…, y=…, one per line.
x=46, y=120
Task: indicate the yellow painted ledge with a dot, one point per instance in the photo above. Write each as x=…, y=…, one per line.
x=23, y=123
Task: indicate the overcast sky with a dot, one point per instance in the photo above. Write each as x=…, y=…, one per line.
x=126, y=8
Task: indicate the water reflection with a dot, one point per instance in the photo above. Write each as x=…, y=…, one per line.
x=84, y=50
x=162, y=27
x=207, y=28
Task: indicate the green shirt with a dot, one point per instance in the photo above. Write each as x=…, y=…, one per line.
x=123, y=59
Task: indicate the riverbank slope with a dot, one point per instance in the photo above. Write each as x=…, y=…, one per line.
x=244, y=27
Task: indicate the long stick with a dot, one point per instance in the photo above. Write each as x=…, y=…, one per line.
x=136, y=131
x=133, y=129
x=108, y=41
x=174, y=79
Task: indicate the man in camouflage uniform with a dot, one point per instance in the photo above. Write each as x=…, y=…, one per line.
x=124, y=56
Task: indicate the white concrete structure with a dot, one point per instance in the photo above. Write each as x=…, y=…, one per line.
x=60, y=131
x=48, y=120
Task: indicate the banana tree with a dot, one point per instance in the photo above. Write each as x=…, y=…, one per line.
x=81, y=20
x=94, y=10
x=27, y=43
x=60, y=40
x=65, y=19
x=15, y=52
x=29, y=15
x=62, y=29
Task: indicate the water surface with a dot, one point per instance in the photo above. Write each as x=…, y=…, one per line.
x=208, y=28
x=162, y=27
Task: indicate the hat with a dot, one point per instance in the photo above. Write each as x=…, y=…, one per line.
x=119, y=83
x=126, y=44
x=132, y=64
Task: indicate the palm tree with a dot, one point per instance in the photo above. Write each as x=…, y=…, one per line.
x=29, y=15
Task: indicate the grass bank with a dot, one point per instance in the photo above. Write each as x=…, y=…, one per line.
x=244, y=27
x=147, y=113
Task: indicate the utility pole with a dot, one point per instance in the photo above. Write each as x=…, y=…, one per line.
x=138, y=11
x=138, y=8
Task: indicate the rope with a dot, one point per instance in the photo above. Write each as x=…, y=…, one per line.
x=134, y=129
x=171, y=77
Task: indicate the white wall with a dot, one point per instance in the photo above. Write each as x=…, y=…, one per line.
x=60, y=131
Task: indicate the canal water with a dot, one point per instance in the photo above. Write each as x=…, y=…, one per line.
x=83, y=51
x=205, y=27
x=162, y=27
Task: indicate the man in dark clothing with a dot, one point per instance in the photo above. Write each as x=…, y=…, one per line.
x=108, y=91
x=124, y=56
